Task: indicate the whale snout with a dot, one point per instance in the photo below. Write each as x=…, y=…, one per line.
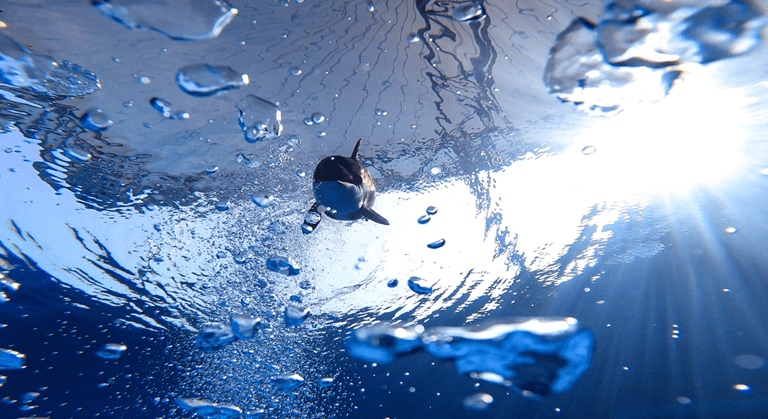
x=342, y=198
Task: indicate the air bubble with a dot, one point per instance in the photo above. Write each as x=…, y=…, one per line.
x=296, y=315
x=283, y=265
x=259, y=119
x=437, y=244
x=317, y=118
x=207, y=80
x=478, y=401
x=262, y=199
x=112, y=351
x=288, y=382
x=419, y=285
x=749, y=362
x=95, y=120
x=164, y=107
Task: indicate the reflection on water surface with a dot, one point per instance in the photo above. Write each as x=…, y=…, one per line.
x=156, y=165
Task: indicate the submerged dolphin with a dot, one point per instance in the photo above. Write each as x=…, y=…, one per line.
x=344, y=190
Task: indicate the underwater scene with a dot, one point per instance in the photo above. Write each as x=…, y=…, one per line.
x=383, y=209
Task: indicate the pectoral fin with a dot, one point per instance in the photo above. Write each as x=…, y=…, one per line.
x=308, y=227
x=373, y=216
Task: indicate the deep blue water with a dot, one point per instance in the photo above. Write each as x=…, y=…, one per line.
x=155, y=174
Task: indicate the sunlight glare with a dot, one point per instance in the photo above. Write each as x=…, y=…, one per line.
x=693, y=136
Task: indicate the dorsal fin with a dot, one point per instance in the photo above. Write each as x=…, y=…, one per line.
x=357, y=147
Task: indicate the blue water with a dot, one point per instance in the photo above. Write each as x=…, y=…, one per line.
x=541, y=260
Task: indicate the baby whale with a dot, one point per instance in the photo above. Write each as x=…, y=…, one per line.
x=344, y=190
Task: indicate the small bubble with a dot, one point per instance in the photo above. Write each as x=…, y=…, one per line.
x=587, y=289
x=742, y=387
x=295, y=71
x=144, y=80
x=478, y=401
x=211, y=170
x=370, y=7
x=413, y=38
x=209, y=79
x=419, y=285
x=301, y=174
x=312, y=217
x=381, y=112
x=468, y=12
x=549, y=17
x=112, y=351
x=262, y=199
x=259, y=119
x=295, y=315
x=222, y=205
x=162, y=106
x=95, y=120
x=243, y=256
x=128, y=104
x=726, y=290
x=325, y=381
x=431, y=210
x=317, y=118
x=308, y=122
x=437, y=244
x=321, y=134
x=683, y=400
x=283, y=265
x=424, y=219
x=435, y=171
x=77, y=153
x=731, y=230
x=412, y=389
x=392, y=283
x=625, y=368
x=600, y=302
x=588, y=150
x=749, y=362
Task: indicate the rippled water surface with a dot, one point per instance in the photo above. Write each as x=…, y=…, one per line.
x=575, y=193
